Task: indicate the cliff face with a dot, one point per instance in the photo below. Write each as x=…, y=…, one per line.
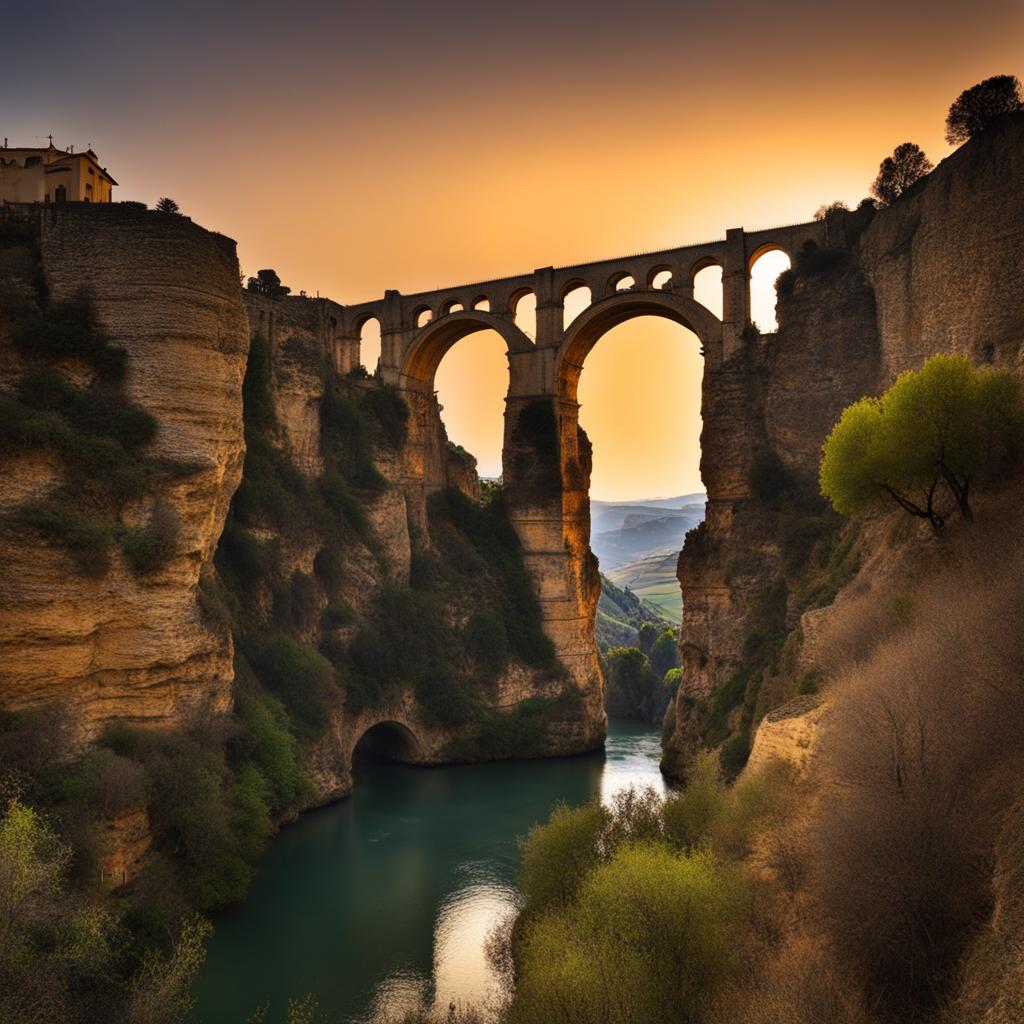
x=938, y=271
x=124, y=646
x=356, y=540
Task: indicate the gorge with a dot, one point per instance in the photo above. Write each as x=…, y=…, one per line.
x=233, y=556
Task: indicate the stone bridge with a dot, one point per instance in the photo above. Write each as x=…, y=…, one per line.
x=546, y=458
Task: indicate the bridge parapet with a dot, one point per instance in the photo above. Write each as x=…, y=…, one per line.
x=403, y=317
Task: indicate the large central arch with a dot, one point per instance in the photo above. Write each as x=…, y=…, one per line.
x=595, y=321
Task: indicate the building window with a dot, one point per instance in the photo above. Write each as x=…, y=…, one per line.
x=60, y=195
x=32, y=161
x=91, y=171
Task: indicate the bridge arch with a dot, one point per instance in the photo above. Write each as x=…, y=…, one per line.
x=588, y=328
x=429, y=346
x=387, y=738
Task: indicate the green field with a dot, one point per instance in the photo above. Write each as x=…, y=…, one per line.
x=654, y=579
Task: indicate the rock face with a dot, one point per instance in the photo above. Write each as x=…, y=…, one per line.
x=125, y=647
x=355, y=563
x=123, y=843
x=939, y=271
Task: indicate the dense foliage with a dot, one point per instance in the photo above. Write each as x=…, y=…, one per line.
x=640, y=682
x=907, y=165
x=944, y=427
x=975, y=108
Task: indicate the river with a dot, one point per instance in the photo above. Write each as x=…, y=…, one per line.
x=386, y=898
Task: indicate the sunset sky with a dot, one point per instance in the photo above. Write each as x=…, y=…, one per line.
x=358, y=147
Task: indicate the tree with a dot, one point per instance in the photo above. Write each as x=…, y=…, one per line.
x=974, y=109
x=898, y=172
x=837, y=206
x=266, y=282
x=167, y=205
x=942, y=426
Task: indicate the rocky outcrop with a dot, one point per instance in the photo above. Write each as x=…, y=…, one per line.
x=123, y=842
x=125, y=647
x=938, y=271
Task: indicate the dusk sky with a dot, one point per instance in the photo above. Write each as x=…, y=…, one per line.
x=358, y=147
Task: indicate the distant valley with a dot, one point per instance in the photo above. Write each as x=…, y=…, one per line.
x=637, y=544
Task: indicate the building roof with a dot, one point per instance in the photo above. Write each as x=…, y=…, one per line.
x=59, y=155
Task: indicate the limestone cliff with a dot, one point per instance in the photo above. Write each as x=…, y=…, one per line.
x=938, y=271
x=356, y=542
x=121, y=645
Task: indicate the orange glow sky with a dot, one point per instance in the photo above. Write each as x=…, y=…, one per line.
x=414, y=145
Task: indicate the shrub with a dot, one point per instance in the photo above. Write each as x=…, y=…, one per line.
x=86, y=537
x=487, y=641
x=268, y=742
x=241, y=557
x=648, y=939
x=556, y=857
x=68, y=329
x=522, y=732
x=388, y=413
x=149, y=548
x=300, y=677
x=813, y=260
x=922, y=759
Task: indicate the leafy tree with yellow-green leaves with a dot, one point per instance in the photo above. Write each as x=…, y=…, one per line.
x=936, y=431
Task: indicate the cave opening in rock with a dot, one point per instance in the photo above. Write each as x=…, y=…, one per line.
x=385, y=741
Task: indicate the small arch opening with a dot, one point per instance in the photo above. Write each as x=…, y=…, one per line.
x=523, y=306
x=423, y=316
x=707, y=287
x=385, y=741
x=575, y=300
x=622, y=282
x=765, y=267
x=452, y=307
x=369, y=344
x=473, y=416
x=661, y=279
x=483, y=304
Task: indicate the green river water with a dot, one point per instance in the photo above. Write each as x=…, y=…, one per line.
x=385, y=899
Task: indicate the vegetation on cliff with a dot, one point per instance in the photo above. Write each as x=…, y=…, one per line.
x=69, y=404
x=641, y=681
x=945, y=426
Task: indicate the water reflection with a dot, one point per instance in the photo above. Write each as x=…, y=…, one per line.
x=384, y=902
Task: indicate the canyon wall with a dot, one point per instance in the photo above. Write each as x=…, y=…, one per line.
x=125, y=647
x=938, y=271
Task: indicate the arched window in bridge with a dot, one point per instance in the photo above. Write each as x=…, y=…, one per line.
x=623, y=282
x=424, y=316
x=576, y=299
x=369, y=344
x=524, y=312
x=764, y=272
x=453, y=307
x=640, y=404
x=662, y=279
x=707, y=288
x=483, y=304
x=471, y=384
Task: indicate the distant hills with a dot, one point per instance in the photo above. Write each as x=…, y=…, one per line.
x=620, y=614
x=637, y=544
